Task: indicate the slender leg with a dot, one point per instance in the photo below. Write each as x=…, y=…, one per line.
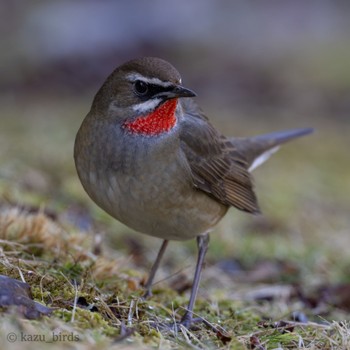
x=148, y=292
x=202, y=243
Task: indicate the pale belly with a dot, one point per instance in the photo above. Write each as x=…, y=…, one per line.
x=159, y=201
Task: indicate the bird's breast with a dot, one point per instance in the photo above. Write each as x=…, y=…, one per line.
x=146, y=184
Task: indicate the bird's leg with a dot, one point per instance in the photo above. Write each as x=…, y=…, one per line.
x=154, y=269
x=202, y=243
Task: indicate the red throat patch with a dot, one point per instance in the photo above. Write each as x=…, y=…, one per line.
x=160, y=120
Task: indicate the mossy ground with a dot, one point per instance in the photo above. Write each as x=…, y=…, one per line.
x=51, y=237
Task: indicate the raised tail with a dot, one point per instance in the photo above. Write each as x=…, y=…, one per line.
x=259, y=148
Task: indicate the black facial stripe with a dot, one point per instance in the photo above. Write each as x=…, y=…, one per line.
x=154, y=90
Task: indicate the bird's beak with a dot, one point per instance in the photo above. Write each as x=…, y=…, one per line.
x=180, y=91
x=175, y=91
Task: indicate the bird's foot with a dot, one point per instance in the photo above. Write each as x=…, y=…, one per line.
x=147, y=294
x=187, y=320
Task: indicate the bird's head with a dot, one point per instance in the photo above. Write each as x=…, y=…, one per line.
x=142, y=95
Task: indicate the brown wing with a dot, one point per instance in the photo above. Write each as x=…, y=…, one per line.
x=217, y=167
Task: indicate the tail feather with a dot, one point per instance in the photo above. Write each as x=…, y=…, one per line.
x=259, y=148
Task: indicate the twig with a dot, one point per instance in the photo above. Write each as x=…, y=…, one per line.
x=75, y=300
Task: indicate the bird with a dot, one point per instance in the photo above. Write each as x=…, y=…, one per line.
x=148, y=156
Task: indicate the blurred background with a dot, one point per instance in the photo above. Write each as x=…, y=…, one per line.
x=256, y=67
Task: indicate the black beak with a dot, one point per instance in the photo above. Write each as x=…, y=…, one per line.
x=180, y=91
x=175, y=91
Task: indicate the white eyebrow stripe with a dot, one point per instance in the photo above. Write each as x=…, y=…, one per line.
x=147, y=106
x=136, y=76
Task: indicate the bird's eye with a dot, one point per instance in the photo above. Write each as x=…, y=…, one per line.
x=141, y=88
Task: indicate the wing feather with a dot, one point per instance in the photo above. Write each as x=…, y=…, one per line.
x=217, y=166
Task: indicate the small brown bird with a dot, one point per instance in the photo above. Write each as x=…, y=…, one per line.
x=147, y=155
